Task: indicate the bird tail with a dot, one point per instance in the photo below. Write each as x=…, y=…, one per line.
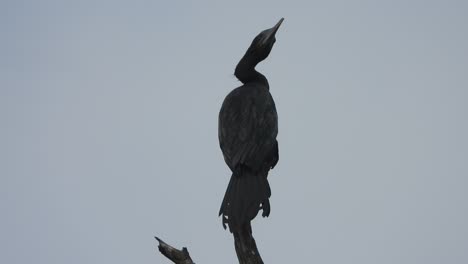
x=246, y=194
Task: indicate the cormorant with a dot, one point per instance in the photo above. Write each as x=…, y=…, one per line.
x=248, y=126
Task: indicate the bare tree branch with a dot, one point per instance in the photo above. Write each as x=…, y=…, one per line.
x=246, y=248
x=245, y=245
x=177, y=256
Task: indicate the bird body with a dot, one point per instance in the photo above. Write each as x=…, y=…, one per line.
x=247, y=131
x=248, y=126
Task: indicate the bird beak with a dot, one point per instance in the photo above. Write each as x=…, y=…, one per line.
x=270, y=34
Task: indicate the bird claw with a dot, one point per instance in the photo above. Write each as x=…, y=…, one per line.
x=266, y=208
x=225, y=221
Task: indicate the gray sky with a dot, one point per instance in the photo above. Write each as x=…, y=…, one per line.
x=108, y=114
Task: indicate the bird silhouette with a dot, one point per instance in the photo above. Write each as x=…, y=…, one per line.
x=247, y=131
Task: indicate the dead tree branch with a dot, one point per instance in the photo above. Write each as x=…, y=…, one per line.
x=244, y=243
x=177, y=256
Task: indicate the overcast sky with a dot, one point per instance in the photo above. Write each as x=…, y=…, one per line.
x=108, y=115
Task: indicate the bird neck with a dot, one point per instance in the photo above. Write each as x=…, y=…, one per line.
x=246, y=73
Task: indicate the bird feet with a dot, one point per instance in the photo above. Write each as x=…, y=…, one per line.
x=225, y=221
x=265, y=206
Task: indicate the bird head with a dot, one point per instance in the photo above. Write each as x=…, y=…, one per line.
x=263, y=42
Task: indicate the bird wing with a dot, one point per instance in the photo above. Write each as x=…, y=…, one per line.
x=248, y=126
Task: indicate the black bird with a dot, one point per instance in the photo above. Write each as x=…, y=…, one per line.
x=248, y=126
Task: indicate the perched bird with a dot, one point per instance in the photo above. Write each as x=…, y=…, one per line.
x=248, y=126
